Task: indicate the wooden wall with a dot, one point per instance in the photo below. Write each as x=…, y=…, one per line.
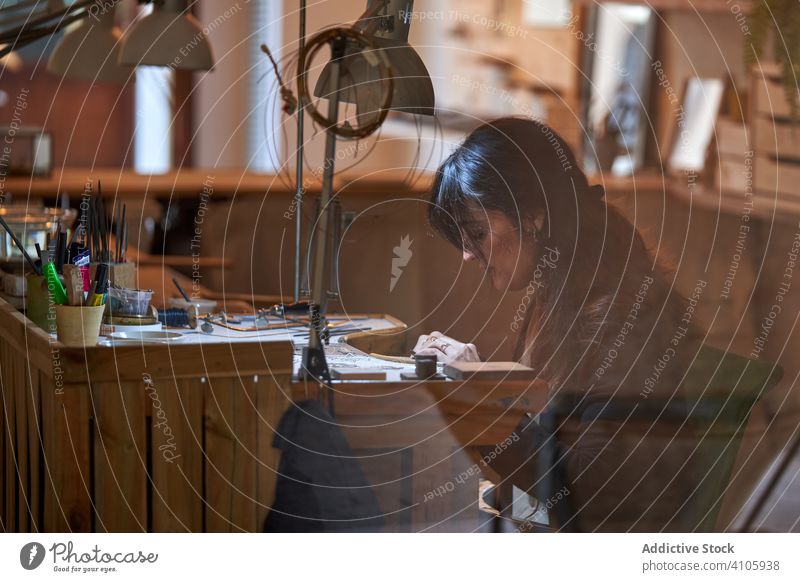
x=92, y=125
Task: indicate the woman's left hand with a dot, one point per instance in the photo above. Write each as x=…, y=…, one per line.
x=446, y=349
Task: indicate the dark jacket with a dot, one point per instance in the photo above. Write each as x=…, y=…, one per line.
x=320, y=486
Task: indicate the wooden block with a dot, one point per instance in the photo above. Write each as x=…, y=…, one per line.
x=357, y=374
x=123, y=275
x=777, y=139
x=120, y=478
x=177, y=437
x=489, y=371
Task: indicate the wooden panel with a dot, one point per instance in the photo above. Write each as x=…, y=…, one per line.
x=22, y=457
x=28, y=379
x=120, y=476
x=25, y=338
x=66, y=435
x=244, y=510
x=126, y=363
x=686, y=5
x=220, y=446
x=11, y=481
x=187, y=182
x=231, y=455
x=177, y=443
x=273, y=396
x=3, y=412
x=34, y=405
x=53, y=521
x=91, y=123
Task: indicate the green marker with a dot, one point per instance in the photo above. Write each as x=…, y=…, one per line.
x=57, y=291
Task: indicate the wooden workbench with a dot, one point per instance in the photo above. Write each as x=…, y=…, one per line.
x=179, y=437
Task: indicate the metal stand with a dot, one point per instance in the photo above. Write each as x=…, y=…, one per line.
x=298, y=226
x=314, y=365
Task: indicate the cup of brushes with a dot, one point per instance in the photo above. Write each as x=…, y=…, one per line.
x=81, y=302
x=78, y=317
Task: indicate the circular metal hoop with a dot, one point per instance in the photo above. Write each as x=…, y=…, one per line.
x=314, y=45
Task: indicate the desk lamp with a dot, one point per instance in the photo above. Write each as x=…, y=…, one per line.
x=372, y=66
x=90, y=51
x=169, y=37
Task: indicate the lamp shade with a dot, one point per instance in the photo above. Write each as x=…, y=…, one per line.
x=90, y=52
x=168, y=37
x=362, y=85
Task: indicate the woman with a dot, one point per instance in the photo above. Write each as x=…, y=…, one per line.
x=597, y=313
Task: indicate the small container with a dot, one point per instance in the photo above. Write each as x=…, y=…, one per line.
x=129, y=301
x=38, y=307
x=204, y=306
x=425, y=366
x=78, y=326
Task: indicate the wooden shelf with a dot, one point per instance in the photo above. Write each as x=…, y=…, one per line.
x=190, y=183
x=732, y=203
x=701, y=6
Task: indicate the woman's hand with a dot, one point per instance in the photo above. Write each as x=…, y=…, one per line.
x=445, y=349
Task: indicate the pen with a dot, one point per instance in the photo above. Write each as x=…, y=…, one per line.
x=100, y=285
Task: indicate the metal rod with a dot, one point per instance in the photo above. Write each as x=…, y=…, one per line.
x=298, y=226
x=336, y=230
x=320, y=282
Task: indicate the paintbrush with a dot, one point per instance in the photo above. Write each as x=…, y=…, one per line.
x=178, y=286
x=124, y=242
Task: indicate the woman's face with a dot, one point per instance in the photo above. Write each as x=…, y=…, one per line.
x=508, y=251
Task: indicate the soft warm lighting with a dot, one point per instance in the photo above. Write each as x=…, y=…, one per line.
x=168, y=37
x=11, y=62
